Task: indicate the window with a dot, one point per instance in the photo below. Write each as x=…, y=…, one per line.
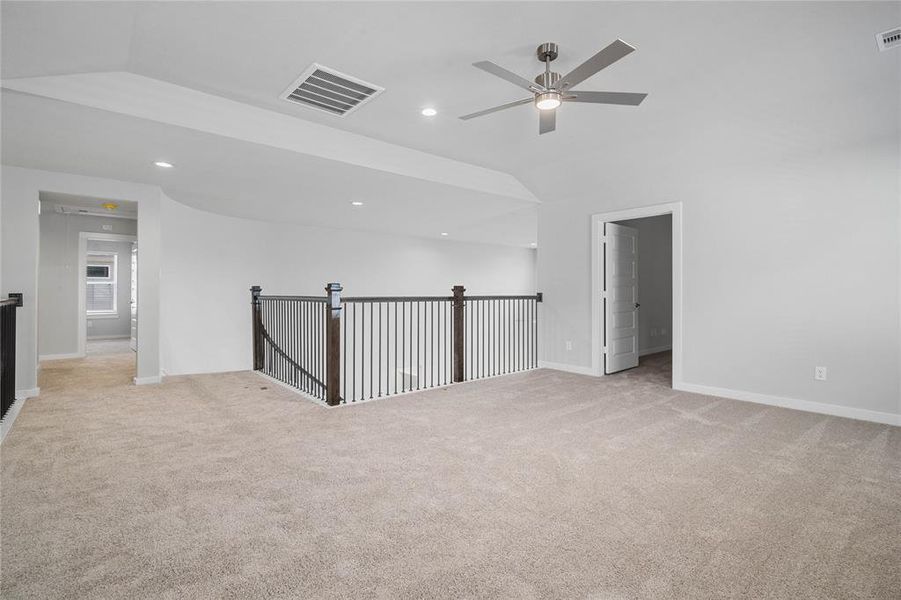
x=98, y=272
x=101, y=284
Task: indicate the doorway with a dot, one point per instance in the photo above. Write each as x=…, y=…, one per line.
x=637, y=289
x=107, y=292
x=87, y=281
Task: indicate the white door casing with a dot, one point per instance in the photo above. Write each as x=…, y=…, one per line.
x=134, y=297
x=620, y=297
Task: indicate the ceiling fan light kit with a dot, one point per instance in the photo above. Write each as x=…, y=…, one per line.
x=550, y=90
x=548, y=100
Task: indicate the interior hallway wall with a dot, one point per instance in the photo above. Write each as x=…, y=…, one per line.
x=655, y=282
x=58, y=279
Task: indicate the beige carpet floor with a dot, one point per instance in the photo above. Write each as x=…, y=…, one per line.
x=536, y=485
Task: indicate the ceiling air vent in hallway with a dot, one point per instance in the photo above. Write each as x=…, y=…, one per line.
x=889, y=39
x=331, y=91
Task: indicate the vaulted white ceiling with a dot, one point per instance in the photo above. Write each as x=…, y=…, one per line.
x=723, y=80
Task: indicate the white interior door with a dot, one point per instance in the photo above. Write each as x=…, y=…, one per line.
x=620, y=298
x=134, y=297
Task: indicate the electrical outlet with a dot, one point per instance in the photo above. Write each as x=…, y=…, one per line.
x=569, y=344
x=106, y=227
x=819, y=373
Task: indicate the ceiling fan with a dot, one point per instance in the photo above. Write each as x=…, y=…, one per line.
x=550, y=90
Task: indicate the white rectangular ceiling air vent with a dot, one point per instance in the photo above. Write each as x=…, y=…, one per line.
x=329, y=90
x=889, y=39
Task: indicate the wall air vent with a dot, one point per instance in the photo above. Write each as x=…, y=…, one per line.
x=330, y=91
x=889, y=39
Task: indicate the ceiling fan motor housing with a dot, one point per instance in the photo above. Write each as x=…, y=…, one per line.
x=548, y=79
x=547, y=51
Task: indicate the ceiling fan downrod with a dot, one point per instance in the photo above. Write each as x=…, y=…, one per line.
x=547, y=52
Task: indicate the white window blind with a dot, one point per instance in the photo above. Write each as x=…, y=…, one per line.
x=101, y=297
x=101, y=284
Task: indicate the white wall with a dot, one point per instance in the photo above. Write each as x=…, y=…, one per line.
x=20, y=234
x=210, y=261
x=655, y=281
x=58, y=279
x=791, y=260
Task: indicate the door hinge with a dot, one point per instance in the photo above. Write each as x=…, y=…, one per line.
x=605, y=349
x=603, y=239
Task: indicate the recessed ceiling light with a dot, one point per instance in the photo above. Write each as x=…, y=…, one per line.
x=444, y=233
x=429, y=112
x=357, y=203
x=164, y=164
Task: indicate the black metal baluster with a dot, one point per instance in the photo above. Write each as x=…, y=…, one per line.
x=418, y=344
x=326, y=317
x=290, y=341
x=471, y=346
x=505, y=365
x=519, y=305
x=395, y=346
x=432, y=345
x=490, y=336
x=380, y=349
x=353, y=355
x=534, y=326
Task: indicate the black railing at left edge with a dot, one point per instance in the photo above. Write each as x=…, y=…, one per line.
x=348, y=349
x=8, y=351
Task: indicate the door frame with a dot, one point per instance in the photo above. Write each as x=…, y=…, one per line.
x=597, y=280
x=83, y=237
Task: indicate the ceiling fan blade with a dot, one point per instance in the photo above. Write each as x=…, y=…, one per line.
x=626, y=98
x=488, y=111
x=547, y=121
x=601, y=60
x=490, y=67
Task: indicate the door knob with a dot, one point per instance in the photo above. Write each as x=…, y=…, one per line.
x=637, y=305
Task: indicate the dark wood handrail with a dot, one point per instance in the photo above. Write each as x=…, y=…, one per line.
x=304, y=298
x=514, y=297
x=397, y=298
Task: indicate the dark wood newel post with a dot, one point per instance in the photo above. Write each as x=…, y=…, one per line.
x=459, y=339
x=257, y=315
x=333, y=344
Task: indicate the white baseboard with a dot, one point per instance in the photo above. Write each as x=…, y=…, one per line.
x=578, y=369
x=655, y=350
x=100, y=338
x=25, y=394
x=835, y=410
x=6, y=424
x=148, y=380
x=43, y=357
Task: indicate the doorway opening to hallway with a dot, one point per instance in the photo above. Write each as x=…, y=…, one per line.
x=87, y=284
